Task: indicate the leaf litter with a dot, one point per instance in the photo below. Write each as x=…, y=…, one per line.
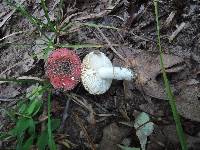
x=138, y=46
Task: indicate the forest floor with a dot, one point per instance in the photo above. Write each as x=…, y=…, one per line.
x=124, y=28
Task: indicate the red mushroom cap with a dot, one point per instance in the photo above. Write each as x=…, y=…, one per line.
x=63, y=68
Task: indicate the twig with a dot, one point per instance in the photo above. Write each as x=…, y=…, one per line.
x=91, y=16
x=135, y=16
x=65, y=116
x=67, y=19
x=30, y=78
x=25, y=116
x=110, y=45
x=10, y=67
x=176, y=32
x=44, y=114
x=83, y=103
x=108, y=10
x=86, y=133
x=142, y=38
x=9, y=15
x=12, y=34
x=169, y=19
x=7, y=99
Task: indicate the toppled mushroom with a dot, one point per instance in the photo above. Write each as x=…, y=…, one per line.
x=97, y=73
x=63, y=68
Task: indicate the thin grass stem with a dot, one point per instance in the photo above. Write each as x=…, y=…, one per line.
x=170, y=94
x=51, y=142
x=45, y=9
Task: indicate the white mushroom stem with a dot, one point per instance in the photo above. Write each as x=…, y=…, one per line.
x=118, y=73
x=97, y=73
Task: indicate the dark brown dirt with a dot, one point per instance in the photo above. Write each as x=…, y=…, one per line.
x=89, y=116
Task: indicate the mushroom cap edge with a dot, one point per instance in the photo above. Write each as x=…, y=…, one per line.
x=91, y=81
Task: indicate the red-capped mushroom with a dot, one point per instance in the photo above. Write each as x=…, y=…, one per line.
x=63, y=68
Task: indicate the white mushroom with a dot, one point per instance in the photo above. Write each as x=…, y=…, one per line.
x=97, y=73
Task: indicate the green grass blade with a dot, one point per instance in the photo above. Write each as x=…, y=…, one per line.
x=35, y=21
x=61, y=4
x=25, y=13
x=170, y=94
x=22, y=80
x=51, y=141
x=38, y=91
x=28, y=143
x=45, y=9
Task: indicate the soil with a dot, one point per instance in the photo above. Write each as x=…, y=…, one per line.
x=94, y=121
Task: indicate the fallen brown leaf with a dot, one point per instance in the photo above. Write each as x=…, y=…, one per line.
x=147, y=66
x=113, y=135
x=188, y=103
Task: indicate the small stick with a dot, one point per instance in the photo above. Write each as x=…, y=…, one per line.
x=90, y=141
x=65, y=116
x=9, y=15
x=44, y=113
x=176, y=32
x=12, y=34
x=7, y=99
x=110, y=45
x=102, y=13
x=30, y=78
x=169, y=19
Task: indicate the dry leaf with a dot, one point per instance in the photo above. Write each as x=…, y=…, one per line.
x=188, y=103
x=113, y=135
x=147, y=66
x=148, y=69
x=171, y=136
